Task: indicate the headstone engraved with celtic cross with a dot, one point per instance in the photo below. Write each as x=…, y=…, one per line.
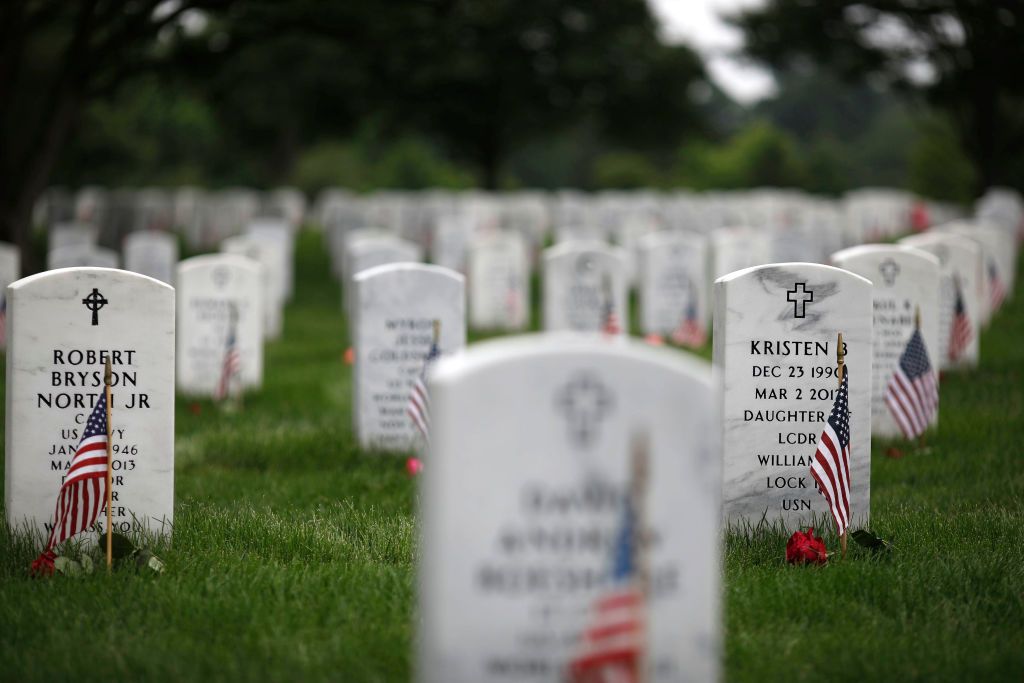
x=219, y=306
x=64, y=326
x=584, y=284
x=563, y=489
x=906, y=283
x=775, y=344
x=396, y=307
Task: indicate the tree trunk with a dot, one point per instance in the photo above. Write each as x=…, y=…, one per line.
x=18, y=197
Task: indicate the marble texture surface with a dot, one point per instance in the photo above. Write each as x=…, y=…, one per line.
x=534, y=480
x=579, y=278
x=960, y=260
x=211, y=289
x=904, y=280
x=55, y=373
x=672, y=276
x=775, y=329
x=498, y=280
x=152, y=253
x=395, y=306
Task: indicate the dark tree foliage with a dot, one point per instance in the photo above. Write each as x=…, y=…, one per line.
x=56, y=56
x=960, y=55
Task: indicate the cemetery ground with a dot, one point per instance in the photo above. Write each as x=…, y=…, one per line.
x=294, y=553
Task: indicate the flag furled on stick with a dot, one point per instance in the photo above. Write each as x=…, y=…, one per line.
x=831, y=465
x=419, y=399
x=690, y=331
x=613, y=642
x=913, y=392
x=960, y=331
x=84, y=490
x=996, y=288
x=3, y=320
x=232, y=364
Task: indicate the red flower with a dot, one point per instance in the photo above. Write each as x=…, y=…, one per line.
x=805, y=548
x=43, y=565
x=413, y=466
x=349, y=356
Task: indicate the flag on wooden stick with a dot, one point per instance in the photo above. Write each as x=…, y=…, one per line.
x=84, y=490
x=831, y=465
x=418, y=407
x=960, y=331
x=613, y=644
x=690, y=332
x=912, y=393
x=232, y=364
x=996, y=288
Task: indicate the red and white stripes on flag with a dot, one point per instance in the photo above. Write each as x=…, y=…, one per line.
x=960, y=331
x=230, y=368
x=996, y=288
x=913, y=391
x=84, y=491
x=418, y=407
x=831, y=465
x=612, y=644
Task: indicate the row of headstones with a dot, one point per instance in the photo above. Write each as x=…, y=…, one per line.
x=546, y=454
x=583, y=280
x=203, y=218
x=550, y=457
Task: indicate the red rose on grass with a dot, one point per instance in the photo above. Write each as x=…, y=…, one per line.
x=413, y=466
x=805, y=548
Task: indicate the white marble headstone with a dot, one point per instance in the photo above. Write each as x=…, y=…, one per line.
x=673, y=282
x=213, y=291
x=906, y=280
x=272, y=275
x=960, y=264
x=524, y=507
x=775, y=344
x=151, y=253
x=64, y=325
x=280, y=236
x=81, y=256
x=499, y=282
x=395, y=307
x=72, y=235
x=582, y=282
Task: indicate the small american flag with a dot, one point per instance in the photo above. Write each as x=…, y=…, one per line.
x=831, y=465
x=913, y=392
x=232, y=364
x=960, y=331
x=419, y=400
x=610, y=323
x=84, y=490
x=996, y=288
x=690, y=332
x=613, y=643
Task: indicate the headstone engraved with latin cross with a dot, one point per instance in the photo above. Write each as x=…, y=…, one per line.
x=673, y=281
x=906, y=281
x=775, y=330
x=584, y=282
x=565, y=487
x=219, y=295
x=395, y=307
x=960, y=270
x=65, y=324
x=151, y=253
x=499, y=282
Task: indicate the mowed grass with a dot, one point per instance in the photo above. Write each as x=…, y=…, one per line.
x=293, y=555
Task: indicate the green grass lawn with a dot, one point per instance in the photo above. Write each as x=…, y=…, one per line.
x=293, y=554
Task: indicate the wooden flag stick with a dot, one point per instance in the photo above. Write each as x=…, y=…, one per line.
x=637, y=500
x=110, y=479
x=840, y=353
x=437, y=331
x=917, y=318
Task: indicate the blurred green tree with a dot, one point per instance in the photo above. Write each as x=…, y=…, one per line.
x=957, y=54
